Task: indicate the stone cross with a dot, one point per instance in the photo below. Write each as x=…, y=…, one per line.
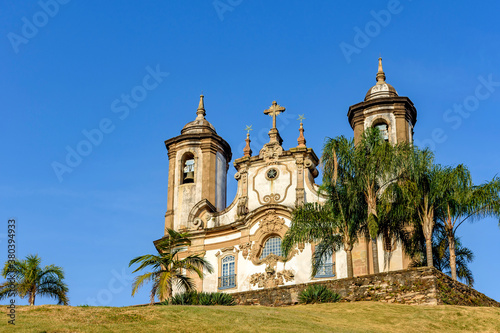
x=273, y=111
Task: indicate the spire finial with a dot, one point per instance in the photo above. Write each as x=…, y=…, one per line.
x=201, y=109
x=380, y=74
x=247, y=152
x=301, y=140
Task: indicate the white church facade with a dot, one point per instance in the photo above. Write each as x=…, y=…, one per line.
x=242, y=241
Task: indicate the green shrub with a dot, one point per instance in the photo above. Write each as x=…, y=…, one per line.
x=185, y=298
x=318, y=294
x=215, y=299
x=195, y=298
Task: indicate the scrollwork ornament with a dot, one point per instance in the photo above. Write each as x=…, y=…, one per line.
x=271, y=198
x=198, y=223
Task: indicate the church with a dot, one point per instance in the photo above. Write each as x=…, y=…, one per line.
x=242, y=240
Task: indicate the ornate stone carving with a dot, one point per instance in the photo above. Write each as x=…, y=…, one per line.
x=246, y=249
x=271, y=278
x=271, y=260
x=271, y=223
x=271, y=152
x=242, y=208
x=198, y=223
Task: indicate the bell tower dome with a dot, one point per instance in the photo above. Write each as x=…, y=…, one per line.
x=198, y=165
x=394, y=115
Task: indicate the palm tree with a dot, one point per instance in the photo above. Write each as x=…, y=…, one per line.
x=32, y=280
x=379, y=164
x=463, y=201
x=168, y=268
x=340, y=219
x=441, y=255
x=463, y=256
x=424, y=188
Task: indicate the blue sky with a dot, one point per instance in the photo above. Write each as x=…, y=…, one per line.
x=67, y=73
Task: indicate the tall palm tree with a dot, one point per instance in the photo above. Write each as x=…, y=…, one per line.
x=424, y=187
x=463, y=256
x=168, y=268
x=31, y=280
x=464, y=201
x=379, y=164
x=441, y=255
x=340, y=219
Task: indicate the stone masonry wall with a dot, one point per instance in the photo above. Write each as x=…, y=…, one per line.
x=423, y=286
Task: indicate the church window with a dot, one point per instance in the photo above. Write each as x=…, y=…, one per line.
x=272, y=174
x=326, y=267
x=272, y=246
x=228, y=278
x=188, y=169
x=384, y=130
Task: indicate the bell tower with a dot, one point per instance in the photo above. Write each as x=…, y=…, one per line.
x=394, y=115
x=198, y=165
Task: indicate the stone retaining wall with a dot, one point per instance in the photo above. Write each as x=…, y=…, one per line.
x=423, y=286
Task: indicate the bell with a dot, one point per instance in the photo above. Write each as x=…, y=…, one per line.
x=189, y=177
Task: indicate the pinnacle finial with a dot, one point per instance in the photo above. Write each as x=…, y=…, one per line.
x=247, y=151
x=301, y=140
x=201, y=109
x=380, y=74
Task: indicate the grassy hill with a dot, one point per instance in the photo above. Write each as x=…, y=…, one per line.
x=339, y=317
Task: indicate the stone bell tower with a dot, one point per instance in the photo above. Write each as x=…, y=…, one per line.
x=395, y=116
x=198, y=164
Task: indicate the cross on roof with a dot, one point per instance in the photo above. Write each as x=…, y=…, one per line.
x=273, y=111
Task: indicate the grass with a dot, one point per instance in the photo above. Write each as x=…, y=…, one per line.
x=339, y=317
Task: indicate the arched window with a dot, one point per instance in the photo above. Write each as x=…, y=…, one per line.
x=384, y=130
x=188, y=169
x=272, y=245
x=228, y=278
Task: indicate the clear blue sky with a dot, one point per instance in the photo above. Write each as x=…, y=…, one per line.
x=68, y=74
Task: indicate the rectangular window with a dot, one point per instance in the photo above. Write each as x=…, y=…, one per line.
x=326, y=268
x=228, y=278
